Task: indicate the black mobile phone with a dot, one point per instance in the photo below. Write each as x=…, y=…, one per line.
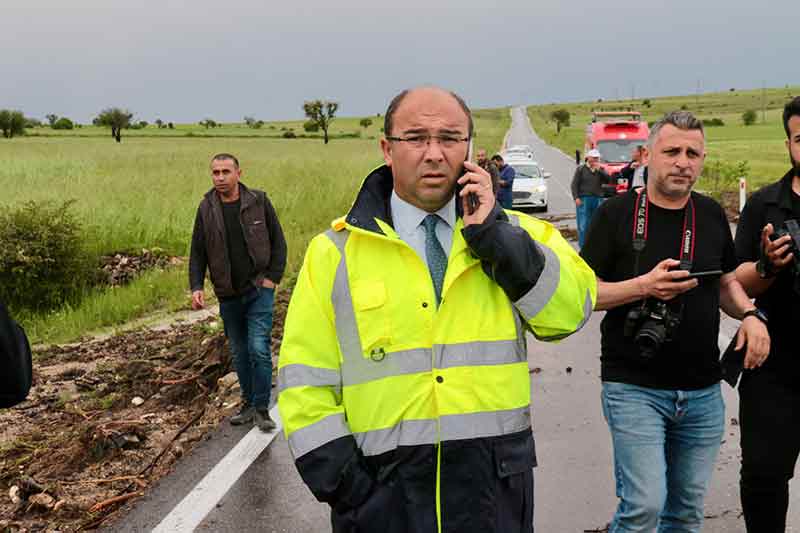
x=472, y=199
x=704, y=274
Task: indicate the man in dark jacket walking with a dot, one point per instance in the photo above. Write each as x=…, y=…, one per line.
x=237, y=236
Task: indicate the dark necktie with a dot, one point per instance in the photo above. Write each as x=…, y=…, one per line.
x=437, y=259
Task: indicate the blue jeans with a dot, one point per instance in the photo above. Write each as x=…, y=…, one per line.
x=248, y=326
x=665, y=445
x=584, y=214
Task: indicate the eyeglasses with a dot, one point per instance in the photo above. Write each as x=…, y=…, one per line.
x=423, y=140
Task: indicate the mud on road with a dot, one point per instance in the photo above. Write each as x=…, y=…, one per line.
x=107, y=418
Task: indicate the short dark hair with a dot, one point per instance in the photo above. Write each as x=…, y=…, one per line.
x=792, y=109
x=224, y=156
x=388, y=117
x=497, y=157
x=683, y=120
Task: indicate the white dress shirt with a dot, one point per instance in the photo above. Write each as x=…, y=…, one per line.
x=407, y=220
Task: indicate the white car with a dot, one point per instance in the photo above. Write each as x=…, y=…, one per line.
x=530, y=184
x=518, y=151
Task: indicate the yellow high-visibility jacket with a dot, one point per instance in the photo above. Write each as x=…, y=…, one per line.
x=389, y=400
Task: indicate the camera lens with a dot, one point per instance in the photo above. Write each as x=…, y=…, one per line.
x=650, y=338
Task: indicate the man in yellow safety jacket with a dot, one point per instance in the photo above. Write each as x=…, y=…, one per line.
x=403, y=374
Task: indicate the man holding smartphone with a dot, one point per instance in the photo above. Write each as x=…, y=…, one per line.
x=408, y=408
x=769, y=397
x=659, y=364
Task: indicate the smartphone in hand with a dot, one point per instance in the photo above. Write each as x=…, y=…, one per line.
x=472, y=199
x=702, y=275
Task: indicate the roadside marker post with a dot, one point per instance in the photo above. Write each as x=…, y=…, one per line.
x=742, y=192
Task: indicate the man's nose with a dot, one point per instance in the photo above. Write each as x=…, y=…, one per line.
x=433, y=151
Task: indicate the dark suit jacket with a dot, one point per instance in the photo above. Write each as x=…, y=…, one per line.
x=15, y=361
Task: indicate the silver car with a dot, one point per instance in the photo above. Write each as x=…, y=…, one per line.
x=530, y=185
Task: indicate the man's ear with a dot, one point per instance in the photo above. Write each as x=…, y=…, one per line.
x=386, y=148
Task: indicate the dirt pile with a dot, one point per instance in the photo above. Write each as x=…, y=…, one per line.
x=121, y=268
x=107, y=418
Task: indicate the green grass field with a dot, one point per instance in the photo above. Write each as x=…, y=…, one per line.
x=144, y=192
x=760, y=145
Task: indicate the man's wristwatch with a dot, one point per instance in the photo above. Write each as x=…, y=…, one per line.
x=756, y=312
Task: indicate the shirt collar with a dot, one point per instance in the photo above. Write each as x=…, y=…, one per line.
x=781, y=192
x=408, y=217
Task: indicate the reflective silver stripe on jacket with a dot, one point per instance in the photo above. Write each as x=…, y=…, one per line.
x=318, y=434
x=452, y=427
x=356, y=368
x=406, y=433
x=480, y=353
x=537, y=298
x=346, y=327
x=298, y=375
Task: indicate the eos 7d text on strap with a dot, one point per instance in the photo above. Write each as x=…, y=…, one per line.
x=640, y=221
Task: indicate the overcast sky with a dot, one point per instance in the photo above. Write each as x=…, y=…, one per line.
x=185, y=60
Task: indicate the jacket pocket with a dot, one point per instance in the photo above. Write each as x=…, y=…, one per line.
x=370, y=304
x=514, y=459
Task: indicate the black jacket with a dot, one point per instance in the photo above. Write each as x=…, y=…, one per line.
x=773, y=204
x=263, y=235
x=628, y=172
x=486, y=483
x=586, y=182
x=15, y=361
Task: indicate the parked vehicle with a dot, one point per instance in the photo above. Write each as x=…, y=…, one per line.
x=519, y=151
x=614, y=134
x=530, y=184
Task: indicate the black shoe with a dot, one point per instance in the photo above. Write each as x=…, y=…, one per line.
x=244, y=416
x=263, y=421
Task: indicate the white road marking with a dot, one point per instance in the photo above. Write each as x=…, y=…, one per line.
x=191, y=511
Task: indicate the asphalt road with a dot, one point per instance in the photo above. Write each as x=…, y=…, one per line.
x=574, y=481
x=552, y=160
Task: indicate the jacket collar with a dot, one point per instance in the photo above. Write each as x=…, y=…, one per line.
x=373, y=202
x=781, y=193
x=246, y=196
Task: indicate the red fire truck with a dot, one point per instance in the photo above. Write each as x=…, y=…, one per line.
x=614, y=134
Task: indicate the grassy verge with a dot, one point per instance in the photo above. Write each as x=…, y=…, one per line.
x=144, y=193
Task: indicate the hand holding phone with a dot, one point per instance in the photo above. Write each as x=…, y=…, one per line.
x=472, y=199
x=702, y=275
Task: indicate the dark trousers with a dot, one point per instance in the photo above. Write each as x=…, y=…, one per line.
x=769, y=418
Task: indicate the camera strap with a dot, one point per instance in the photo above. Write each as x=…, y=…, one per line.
x=640, y=221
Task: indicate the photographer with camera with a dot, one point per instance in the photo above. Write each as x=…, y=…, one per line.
x=767, y=241
x=659, y=364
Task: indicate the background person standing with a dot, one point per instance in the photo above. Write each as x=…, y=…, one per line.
x=505, y=183
x=587, y=190
x=237, y=236
x=488, y=165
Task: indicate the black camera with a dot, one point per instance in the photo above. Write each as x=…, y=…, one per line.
x=792, y=229
x=651, y=325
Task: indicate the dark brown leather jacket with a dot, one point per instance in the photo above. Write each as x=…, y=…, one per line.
x=263, y=235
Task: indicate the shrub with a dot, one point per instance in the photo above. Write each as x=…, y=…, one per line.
x=310, y=126
x=713, y=122
x=749, y=117
x=43, y=259
x=646, y=102
x=288, y=134
x=365, y=123
x=63, y=124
